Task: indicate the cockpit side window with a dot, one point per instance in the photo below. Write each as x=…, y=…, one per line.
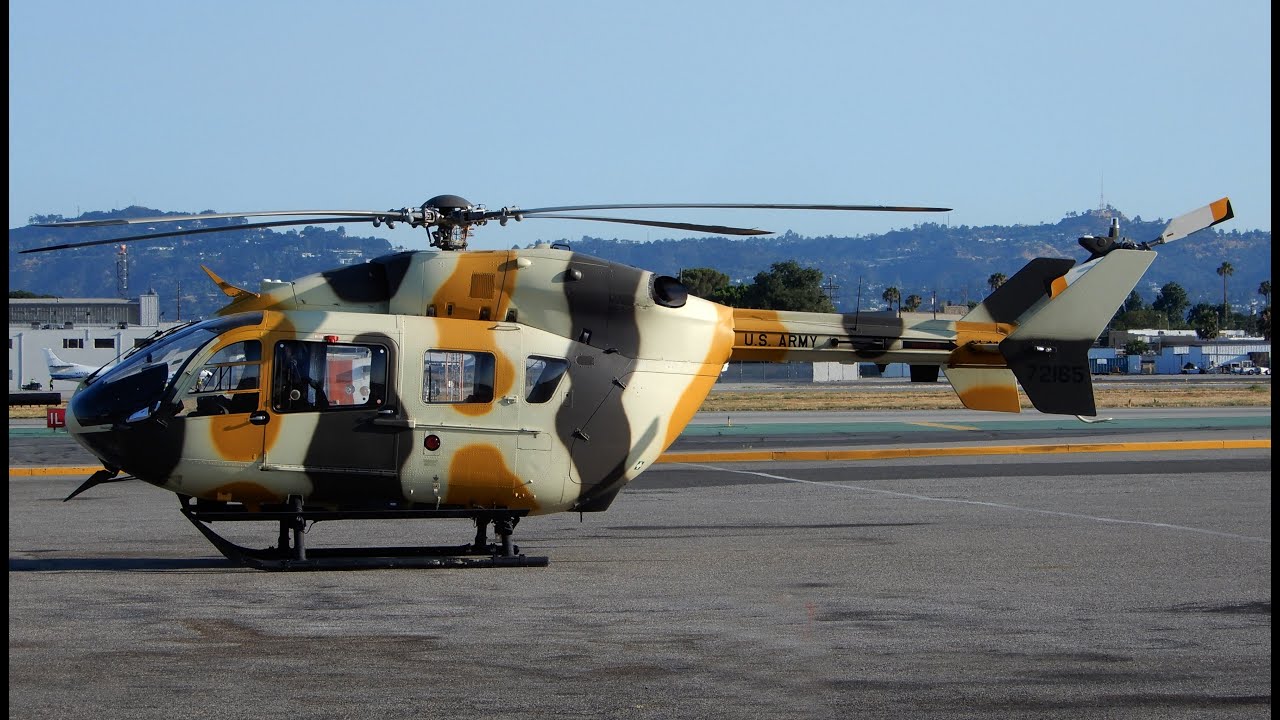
x=227, y=383
x=542, y=377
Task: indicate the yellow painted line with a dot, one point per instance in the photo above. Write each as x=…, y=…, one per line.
x=873, y=454
x=912, y=452
x=944, y=426
x=85, y=470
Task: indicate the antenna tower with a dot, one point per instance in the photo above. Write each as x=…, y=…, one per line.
x=122, y=271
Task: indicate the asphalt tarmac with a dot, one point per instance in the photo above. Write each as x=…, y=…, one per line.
x=1109, y=584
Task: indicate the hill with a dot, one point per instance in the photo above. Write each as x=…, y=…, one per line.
x=949, y=263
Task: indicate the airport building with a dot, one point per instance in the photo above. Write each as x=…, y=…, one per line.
x=84, y=331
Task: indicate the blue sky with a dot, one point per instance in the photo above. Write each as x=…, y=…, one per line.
x=1007, y=112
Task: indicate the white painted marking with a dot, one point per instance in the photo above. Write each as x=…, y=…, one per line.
x=1000, y=506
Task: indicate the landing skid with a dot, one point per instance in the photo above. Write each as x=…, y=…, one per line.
x=295, y=555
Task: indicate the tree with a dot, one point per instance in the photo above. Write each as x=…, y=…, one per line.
x=788, y=286
x=1145, y=318
x=892, y=295
x=995, y=281
x=1225, y=270
x=912, y=303
x=704, y=282
x=1263, y=322
x=1133, y=302
x=1136, y=346
x=1204, y=319
x=1172, y=301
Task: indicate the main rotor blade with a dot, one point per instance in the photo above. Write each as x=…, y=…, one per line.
x=209, y=216
x=717, y=229
x=1196, y=220
x=731, y=206
x=193, y=231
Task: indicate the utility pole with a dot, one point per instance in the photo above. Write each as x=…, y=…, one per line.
x=829, y=288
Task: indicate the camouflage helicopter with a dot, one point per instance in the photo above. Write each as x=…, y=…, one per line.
x=495, y=385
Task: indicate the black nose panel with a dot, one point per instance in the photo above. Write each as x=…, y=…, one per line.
x=108, y=402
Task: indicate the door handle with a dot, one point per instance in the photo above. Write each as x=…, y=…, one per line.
x=259, y=417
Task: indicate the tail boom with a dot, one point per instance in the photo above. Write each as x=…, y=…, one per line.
x=1034, y=332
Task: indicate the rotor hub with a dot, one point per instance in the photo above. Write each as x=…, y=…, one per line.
x=454, y=217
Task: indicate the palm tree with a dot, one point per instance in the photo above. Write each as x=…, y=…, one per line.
x=996, y=280
x=1264, y=289
x=912, y=303
x=892, y=295
x=1225, y=270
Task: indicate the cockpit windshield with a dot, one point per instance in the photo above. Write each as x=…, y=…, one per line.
x=135, y=388
x=174, y=350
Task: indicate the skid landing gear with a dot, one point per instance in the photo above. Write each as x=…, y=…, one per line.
x=292, y=553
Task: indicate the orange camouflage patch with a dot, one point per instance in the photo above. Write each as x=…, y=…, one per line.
x=997, y=398
x=1058, y=285
x=479, y=289
x=479, y=477
x=471, y=292
x=756, y=336
x=700, y=386
x=252, y=495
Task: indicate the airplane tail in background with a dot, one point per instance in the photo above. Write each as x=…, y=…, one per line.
x=53, y=361
x=60, y=369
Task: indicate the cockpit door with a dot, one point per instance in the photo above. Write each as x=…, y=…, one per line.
x=215, y=401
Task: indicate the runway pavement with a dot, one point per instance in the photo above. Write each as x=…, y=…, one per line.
x=1080, y=584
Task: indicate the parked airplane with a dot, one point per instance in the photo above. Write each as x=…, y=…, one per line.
x=60, y=369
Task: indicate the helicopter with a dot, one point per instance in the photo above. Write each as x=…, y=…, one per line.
x=497, y=385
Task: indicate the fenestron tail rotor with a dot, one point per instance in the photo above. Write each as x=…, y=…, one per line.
x=449, y=219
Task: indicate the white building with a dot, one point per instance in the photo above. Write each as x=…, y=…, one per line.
x=85, y=331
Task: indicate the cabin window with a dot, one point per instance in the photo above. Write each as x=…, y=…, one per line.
x=457, y=377
x=542, y=377
x=322, y=376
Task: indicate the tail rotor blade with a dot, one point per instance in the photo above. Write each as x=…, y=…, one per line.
x=1196, y=220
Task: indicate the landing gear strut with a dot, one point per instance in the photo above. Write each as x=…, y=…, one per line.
x=503, y=527
x=291, y=552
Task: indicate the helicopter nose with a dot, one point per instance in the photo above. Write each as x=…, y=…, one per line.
x=91, y=425
x=117, y=421
x=93, y=438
